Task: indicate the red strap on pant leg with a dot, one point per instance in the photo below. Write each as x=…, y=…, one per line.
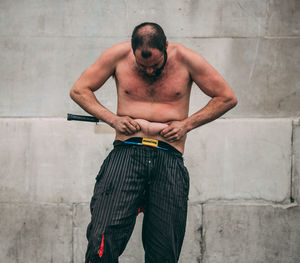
x=140, y=210
x=101, y=250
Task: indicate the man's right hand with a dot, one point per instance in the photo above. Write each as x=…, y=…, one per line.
x=125, y=125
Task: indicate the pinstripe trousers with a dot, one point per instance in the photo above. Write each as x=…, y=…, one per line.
x=134, y=177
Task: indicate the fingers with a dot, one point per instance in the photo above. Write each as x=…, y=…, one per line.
x=173, y=132
x=128, y=126
x=173, y=138
x=170, y=133
x=126, y=130
x=135, y=125
x=166, y=131
x=132, y=127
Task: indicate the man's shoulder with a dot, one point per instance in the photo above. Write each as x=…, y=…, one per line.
x=186, y=55
x=176, y=48
x=119, y=51
x=122, y=47
x=181, y=52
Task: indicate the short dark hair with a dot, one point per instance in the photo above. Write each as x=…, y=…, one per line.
x=154, y=38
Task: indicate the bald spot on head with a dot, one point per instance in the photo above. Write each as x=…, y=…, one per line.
x=148, y=35
x=146, y=30
x=145, y=33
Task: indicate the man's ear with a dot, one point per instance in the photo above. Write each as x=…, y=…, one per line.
x=167, y=43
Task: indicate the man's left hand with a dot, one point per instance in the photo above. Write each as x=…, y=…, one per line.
x=175, y=131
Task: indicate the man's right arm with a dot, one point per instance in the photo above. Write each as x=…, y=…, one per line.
x=91, y=80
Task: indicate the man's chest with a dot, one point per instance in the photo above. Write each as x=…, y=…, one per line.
x=172, y=85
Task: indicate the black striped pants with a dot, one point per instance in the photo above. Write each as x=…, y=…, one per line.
x=131, y=177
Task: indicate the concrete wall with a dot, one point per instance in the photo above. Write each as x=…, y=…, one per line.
x=244, y=168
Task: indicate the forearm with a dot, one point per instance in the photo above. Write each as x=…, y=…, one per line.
x=87, y=100
x=215, y=108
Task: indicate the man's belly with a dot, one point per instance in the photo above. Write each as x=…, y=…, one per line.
x=152, y=130
x=153, y=112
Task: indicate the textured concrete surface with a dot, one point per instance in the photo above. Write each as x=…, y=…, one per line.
x=43, y=56
x=262, y=72
x=52, y=160
x=81, y=219
x=251, y=233
x=116, y=18
x=246, y=18
x=41, y=71
x=244, y=169
x=35, y=233
x=192, y=244
x=240, y=159
x=284, y=18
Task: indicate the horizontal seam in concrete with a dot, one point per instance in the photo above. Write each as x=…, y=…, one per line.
x=45, y=203
x=169, y=37
x=239, y=37
x=83, y=37
x=245, y=202
x=291, y=118
x=281, y=37
x=220, y=202
x=249, y=203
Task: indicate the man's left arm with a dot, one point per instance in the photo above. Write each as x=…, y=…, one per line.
x=212, y=84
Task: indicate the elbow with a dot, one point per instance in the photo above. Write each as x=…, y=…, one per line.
x=230, y=101
x=74, y=92
x=233, y=101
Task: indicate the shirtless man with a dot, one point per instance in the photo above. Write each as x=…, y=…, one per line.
x=145, y=168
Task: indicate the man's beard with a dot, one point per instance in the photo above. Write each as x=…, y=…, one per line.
x=158, y=71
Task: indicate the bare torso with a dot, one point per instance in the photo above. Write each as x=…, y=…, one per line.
x=158, y=103
x=153, y=103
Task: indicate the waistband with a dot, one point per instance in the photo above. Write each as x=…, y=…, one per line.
x=148, y=142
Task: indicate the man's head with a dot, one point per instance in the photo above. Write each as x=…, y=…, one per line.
x=149, y=45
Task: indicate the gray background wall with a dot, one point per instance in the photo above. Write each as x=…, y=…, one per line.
x=244, y=168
